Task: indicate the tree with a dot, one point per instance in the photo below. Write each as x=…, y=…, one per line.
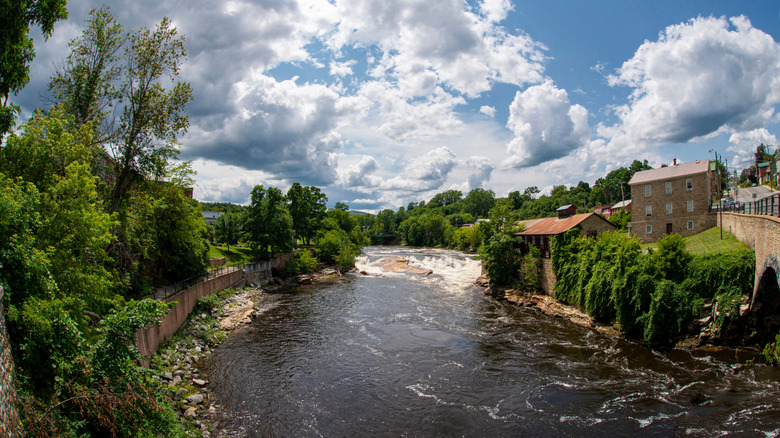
x=479, y=202
x=17, y=50
x=142, y=88
x=86, y=84
x=449, y=197
x=307, y=207
x=270, y=224
x=227, y=228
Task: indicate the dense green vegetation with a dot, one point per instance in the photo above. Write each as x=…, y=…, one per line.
x=651, y=296
x=94, y=214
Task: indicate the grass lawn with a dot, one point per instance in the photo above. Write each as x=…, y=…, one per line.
x=709, y=242
x=237, y=254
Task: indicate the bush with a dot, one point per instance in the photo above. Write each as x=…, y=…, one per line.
x=303, y=262
x=500, y=258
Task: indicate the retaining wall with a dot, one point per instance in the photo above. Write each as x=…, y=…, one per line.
x=148, y=339
x=548, y=278
x=9, y=416
x=260, y=272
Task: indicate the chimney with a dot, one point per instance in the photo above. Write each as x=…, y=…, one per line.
x=675, y=162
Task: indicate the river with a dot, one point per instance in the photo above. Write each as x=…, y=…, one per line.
x=396, y=354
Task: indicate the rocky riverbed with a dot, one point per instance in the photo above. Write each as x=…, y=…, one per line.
x=213, y=320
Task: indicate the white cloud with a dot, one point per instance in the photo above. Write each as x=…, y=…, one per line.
x=546, y=126
x=361, y=174
x=487, y=110
x=425, y=173
x=483, y=169
x=744, y=146
x=700, y=78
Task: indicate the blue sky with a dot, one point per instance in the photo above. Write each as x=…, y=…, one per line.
x=381, y=103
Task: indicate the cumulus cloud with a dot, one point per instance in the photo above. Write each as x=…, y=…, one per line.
x=280, y=127
x=361, y=174
x=488, y=110
x=482, y=170
x=702, y=77
x=743, y=145
x=546, y=126
x=425, y=173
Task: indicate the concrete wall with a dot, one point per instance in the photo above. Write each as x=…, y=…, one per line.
x=148, y=340
x=759, y=232
x=260, y=272
x=9, y=416
x=217, y=262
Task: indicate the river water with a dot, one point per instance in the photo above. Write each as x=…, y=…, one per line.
x=396, y=354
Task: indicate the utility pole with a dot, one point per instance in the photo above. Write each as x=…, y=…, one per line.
x=720, y=193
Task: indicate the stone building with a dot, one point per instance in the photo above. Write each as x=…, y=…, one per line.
x=537, y=232
x=673, y=199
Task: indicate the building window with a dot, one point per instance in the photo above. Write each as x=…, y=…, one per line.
x=648, y=191
x=648, y=210
x=690, y=225
x=689, y=184
x=690, y=205
x=668, y=187
x=648, y=229
x=668, y=208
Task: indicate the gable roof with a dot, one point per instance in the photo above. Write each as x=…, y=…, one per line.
x=553, y=225
x=669, y=172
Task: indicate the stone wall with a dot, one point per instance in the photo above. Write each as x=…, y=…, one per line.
x=9, y=417
x=260, y=272
x=148, y=339
x=548, y=278
x=759, y=232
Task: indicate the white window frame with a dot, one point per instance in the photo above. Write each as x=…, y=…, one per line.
x=689, y=184
x=648, y=191
x=689, y=205
x=648, y=210
x=668, y=185
x=648, y=229
x=689, y=225
x=669, y=207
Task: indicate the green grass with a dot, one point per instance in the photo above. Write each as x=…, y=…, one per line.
x=709, y=242
x=237, y=254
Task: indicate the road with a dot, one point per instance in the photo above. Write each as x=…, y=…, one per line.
x=751, y=194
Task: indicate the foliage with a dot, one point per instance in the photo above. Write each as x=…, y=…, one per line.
x=531, y=270
x=269, y=226
x=303, y=262
x=671, y=258
x=17, y=50
x=651, y=296
x=228, y=228
x=772, y=352
x=500, y=258
x=620, y=219
x=478, y=202
x=467, y=239
x=307, y=208
x=427, y=229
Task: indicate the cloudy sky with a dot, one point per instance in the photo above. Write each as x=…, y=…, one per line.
x=382, y=102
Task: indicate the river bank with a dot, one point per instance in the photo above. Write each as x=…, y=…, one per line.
x=214, y=319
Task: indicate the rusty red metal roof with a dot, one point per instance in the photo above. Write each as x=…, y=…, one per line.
x=552, y=225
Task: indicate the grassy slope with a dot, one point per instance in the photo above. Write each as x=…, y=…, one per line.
x=709, y=242
x=235, y=255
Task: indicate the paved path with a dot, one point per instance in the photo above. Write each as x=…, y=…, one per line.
x=751, y=194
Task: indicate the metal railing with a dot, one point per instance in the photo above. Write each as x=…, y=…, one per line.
x=769, y=206
x=162, y=293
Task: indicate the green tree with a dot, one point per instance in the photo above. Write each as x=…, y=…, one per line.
x=269, y=224
x=17, y=50
x=307, y=207
x=479, y=202
x=86, y=84
x=341, y=206
x=446, y=198
x=228, y=228
x=501, y=258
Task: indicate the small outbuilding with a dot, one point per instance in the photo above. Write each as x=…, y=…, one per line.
x=537, y=232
